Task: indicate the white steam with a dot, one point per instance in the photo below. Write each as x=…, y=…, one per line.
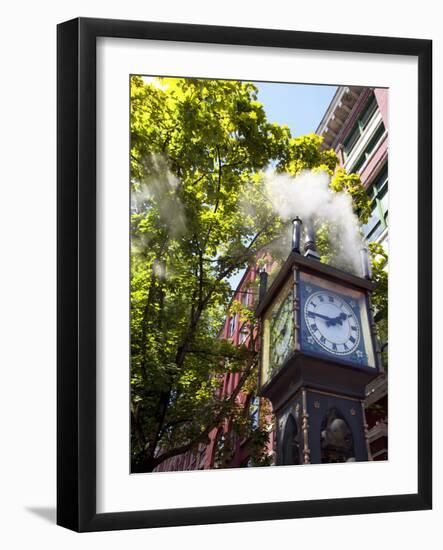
x=310, y=197
x=157, y=196
x=159, y=191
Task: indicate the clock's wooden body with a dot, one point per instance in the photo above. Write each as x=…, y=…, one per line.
x=318, y=352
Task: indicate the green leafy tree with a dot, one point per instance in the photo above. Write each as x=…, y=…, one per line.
x=199, y=215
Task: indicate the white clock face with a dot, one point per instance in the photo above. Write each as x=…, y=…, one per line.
x=332, y=322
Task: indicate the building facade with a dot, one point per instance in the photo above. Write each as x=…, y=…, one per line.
x=355, y=126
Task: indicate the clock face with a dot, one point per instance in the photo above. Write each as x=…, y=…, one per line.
x=282, y=332
x=332, y=323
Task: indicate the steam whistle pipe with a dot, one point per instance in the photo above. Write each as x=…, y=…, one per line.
x=365, y=266
x=310, y=248
x=296, y=234
x=263, y=284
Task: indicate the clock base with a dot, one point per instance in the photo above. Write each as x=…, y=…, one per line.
x=319, y=410
x=321, y=428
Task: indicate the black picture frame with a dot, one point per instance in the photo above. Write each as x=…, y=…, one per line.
x=76, y=264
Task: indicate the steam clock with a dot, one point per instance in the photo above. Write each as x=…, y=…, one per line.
x=319, y=351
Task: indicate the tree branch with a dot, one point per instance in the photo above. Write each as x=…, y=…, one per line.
x=213, y=424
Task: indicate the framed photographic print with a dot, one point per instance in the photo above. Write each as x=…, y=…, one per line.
x=244, y=274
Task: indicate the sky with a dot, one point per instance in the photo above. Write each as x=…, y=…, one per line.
x=300, y=106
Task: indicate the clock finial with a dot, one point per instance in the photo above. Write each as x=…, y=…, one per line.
x=310, y=248
x=296, y=234
x=365, y=266
x=263, y=284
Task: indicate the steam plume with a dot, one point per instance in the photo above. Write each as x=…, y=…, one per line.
x=310, y=197
x=159, y=191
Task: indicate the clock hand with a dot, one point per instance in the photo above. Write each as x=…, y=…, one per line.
x=329, y=320
x=321, y=316
x=340, y=318
x=279, y=331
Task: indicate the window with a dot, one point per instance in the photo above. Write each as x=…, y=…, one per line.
x=219, y=449
x=201, y=456
x=367, y=151
x=243, y=335
x=254, y=410
x=359, y=127
x=378, y=220
x=245, y=298
x=231, y=325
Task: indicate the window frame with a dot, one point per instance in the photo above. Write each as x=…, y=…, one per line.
x=376, y=190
